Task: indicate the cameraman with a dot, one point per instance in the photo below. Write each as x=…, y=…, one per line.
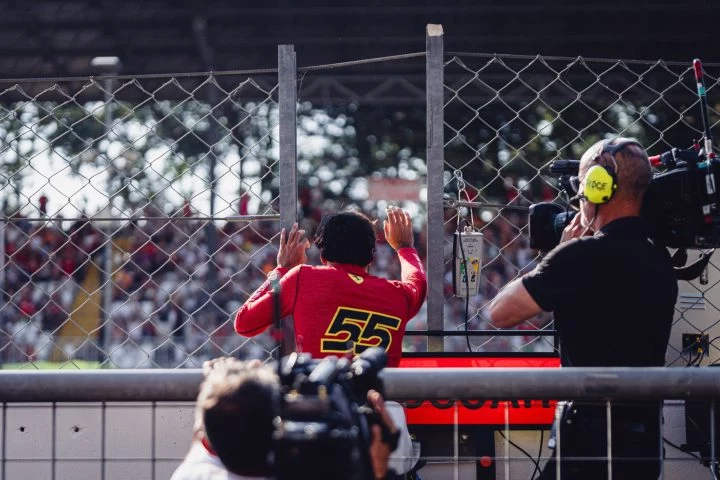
x=613, y=294
x=339, y=308
x=236, y=406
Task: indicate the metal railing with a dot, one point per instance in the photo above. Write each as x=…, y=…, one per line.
x=111, y=424
x=581, y=383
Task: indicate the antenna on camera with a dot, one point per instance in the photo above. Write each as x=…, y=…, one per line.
x=702, y=94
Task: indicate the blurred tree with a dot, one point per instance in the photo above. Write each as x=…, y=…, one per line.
x=159, y=151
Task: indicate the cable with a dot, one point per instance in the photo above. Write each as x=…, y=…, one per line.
x=536, y=463
x=697, y=457
x=677, y=447
x=697, y=359
x=467, y=291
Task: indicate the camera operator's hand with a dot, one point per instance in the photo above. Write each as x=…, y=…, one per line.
x=379, y=449
x=574, y=229
x=398, y=228
x=292, y=250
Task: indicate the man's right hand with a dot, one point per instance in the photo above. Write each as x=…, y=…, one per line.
x=574, y=229
x=398, y=228
x=292, y=250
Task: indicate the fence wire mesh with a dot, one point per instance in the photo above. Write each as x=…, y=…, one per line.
x=507, y=117
x=171, y=184
x=138, y=213
x=361, y=144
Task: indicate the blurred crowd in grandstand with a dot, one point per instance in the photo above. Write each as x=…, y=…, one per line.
x=174, y=293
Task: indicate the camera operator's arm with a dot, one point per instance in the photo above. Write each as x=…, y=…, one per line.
x=380, y=449
x=399, y=235
x=512, y=305
x=550, y=283
x=257, y=312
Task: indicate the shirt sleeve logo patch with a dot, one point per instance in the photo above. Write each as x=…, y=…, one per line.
x=356, y=278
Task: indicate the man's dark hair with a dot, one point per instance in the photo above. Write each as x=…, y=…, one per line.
x=238, y=405
x=346, y=237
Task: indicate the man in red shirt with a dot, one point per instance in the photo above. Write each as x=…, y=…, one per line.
x=339, y=308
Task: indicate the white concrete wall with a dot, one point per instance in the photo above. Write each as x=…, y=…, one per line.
x=703, y=316
x=133, y=437
x=80, y=445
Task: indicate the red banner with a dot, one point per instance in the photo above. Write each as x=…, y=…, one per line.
x=393, y=189
x=480, y=412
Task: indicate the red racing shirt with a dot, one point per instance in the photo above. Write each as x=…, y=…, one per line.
x=340, y=309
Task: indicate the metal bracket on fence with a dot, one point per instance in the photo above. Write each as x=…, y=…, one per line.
x=453, y=203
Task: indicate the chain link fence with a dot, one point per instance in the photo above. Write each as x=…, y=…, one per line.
x=173, y=184
x=507, y=117
x=367, y=129
x=138, y=213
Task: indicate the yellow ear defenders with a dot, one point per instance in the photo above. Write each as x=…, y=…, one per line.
x=601, y=180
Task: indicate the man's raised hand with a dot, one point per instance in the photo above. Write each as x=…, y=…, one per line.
x=292, y=250
x=398, y=228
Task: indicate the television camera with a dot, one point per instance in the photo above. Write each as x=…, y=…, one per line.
x=324, y=426
x=681, y=205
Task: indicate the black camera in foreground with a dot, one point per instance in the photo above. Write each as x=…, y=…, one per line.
x=324, y=427
x=680, y=206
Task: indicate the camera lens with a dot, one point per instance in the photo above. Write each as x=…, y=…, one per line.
x=547, y=221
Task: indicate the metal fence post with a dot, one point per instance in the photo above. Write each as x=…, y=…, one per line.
x=108, y=250
x=287, y=79
x=213, y=136
x=435, y=166
x=3, y=226
x=287, y=104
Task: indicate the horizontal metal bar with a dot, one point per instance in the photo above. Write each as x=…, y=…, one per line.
x=453, y=203
x=481, y=333
x=236, y=218
x=622, y=383
x=400, y=383
x=99, y=385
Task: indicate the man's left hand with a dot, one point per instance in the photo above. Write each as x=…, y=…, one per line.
x=379, y=450
x=292, y=250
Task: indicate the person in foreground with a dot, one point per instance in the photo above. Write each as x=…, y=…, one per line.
x=613, y=292
x=233, y=430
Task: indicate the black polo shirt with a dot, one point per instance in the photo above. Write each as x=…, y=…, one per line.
x=613, y=296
